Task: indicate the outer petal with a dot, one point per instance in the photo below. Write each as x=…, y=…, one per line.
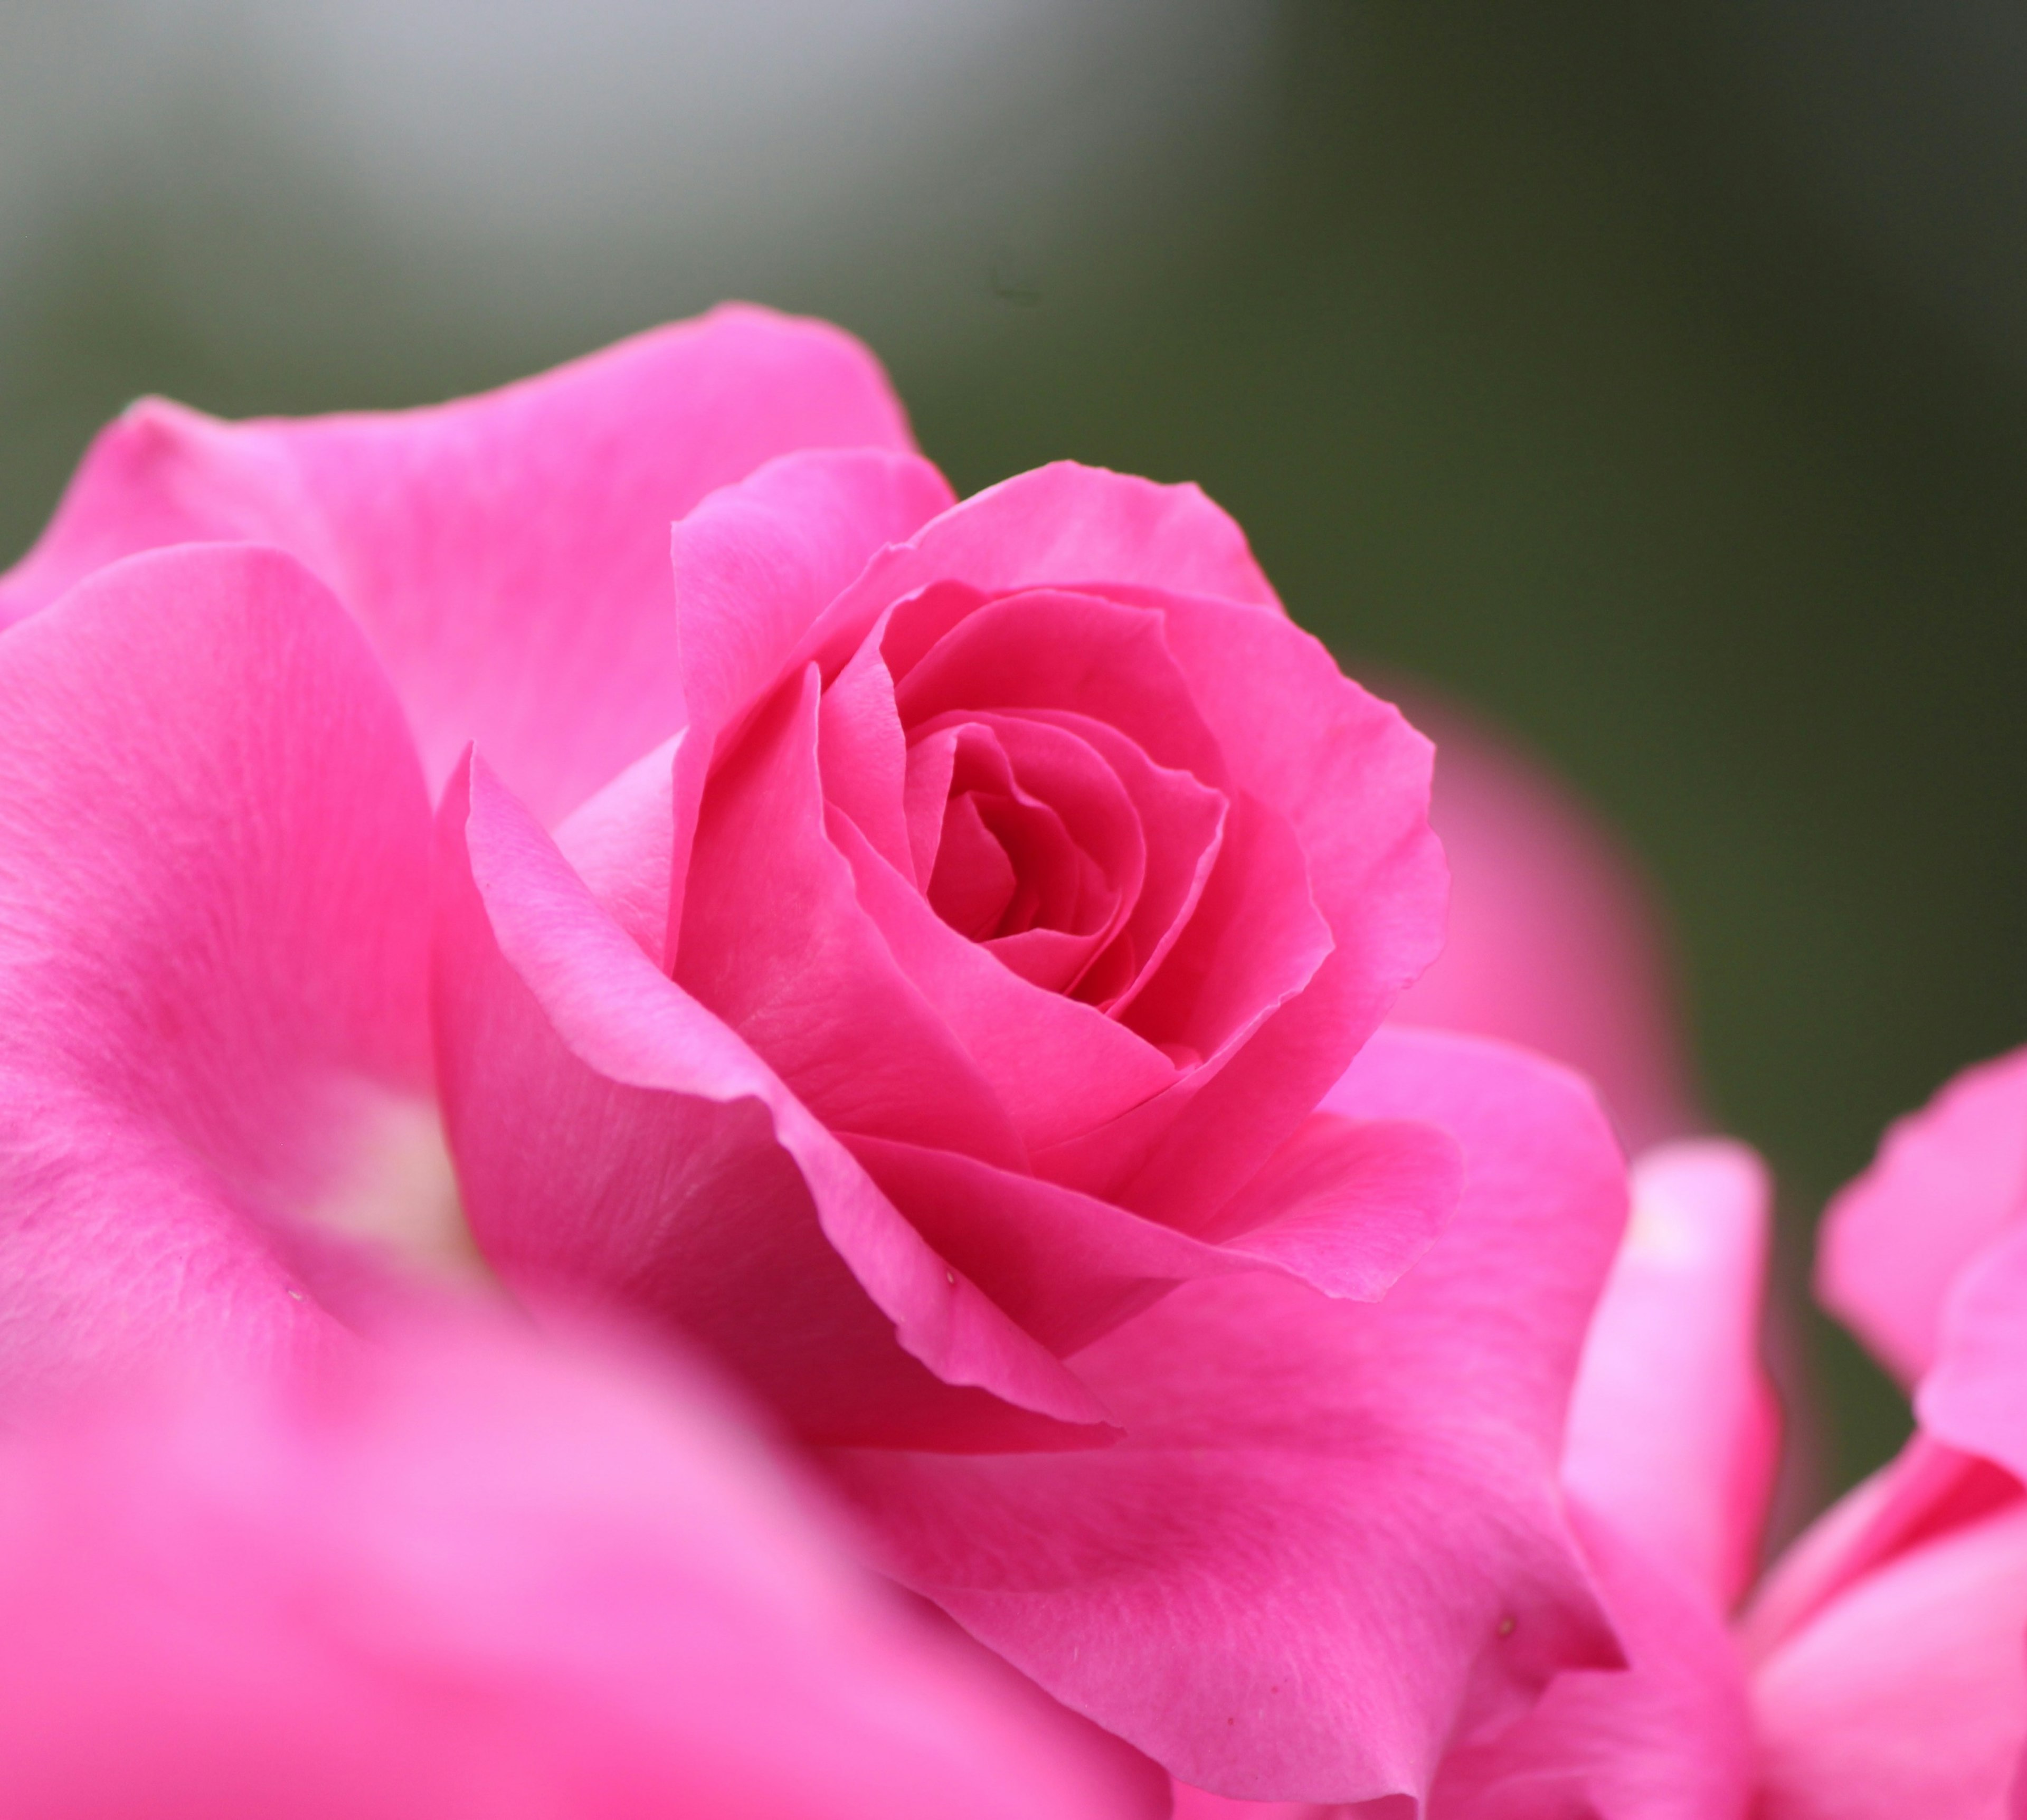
x=1554, y=940
x=1946, y=1180
x=508, y=555
x=467, y=1576
x=213, y=890
x=611, y=1135
x=1673, y=1428
x=1668, y=1738
x=1976, y=1398
x=1331, y=1539
x=1907, y=1695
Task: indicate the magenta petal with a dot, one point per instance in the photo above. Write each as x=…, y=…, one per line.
x=1673, y=1430
x=1351, y=777
x=1907, y=1694
x=1667, y=1737
x=775, y=943
x=1331, y=1541
x=612, y=1136
x=1948, y=1179
x=213, y=891
x=1058, y=1066
x=1064, y=525
x=622, y=842
x=1347, y=1206
x=508, y=555
x=864, y=755
x=1050, y=651
x=463, y=1576
x=756, y=562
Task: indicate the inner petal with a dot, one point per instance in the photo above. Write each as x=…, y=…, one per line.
x=974, y=883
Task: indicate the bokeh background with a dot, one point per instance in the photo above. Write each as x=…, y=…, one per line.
x=1652, y=379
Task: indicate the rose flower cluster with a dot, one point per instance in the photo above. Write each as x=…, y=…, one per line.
x=688, y=1129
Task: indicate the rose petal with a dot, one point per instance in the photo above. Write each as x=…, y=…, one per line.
x=1667, y=1737
x=774, y=943
x=1351, y=777
x=613, y=1137
x=1058, y=1066
x=1331, y=1539
x=471, y=1576
x=1347, y=1212
x=213, y=854
x=1948, y=1179
x=508, y=555
x=1673, y=1428
x=864, y=754
x=1926, y=1491
x=1975, y=1398
x=622, y=842
x=1906, y=1694
x=1060, y=526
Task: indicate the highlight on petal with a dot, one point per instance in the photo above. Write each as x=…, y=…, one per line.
x=459, y=1574
x=213, y=922
x=508, y=554
x=1673, y=1430
x=1946, y=1181
x=1331, y=1542
x=615, y=1140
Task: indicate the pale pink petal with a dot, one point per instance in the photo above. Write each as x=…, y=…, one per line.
x=1975, y=1397
x=1926, y=1491
x=508, y=554
x=1946, y=1180
x=1668, y=1738
x=469, y=1576
x=1554, y=939
x=774, y=943
x=1673, y=1428
x=1332, y=1539
x=615, y=1139
x=1906, y=1694
x=213, y=917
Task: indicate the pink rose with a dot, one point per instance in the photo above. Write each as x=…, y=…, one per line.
x=947, y=994
x=455, y=1574
x=1890, y=1646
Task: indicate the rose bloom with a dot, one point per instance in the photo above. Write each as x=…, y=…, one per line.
x=928, y=954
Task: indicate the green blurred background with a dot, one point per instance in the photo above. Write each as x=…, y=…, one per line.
x=1653, y=379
